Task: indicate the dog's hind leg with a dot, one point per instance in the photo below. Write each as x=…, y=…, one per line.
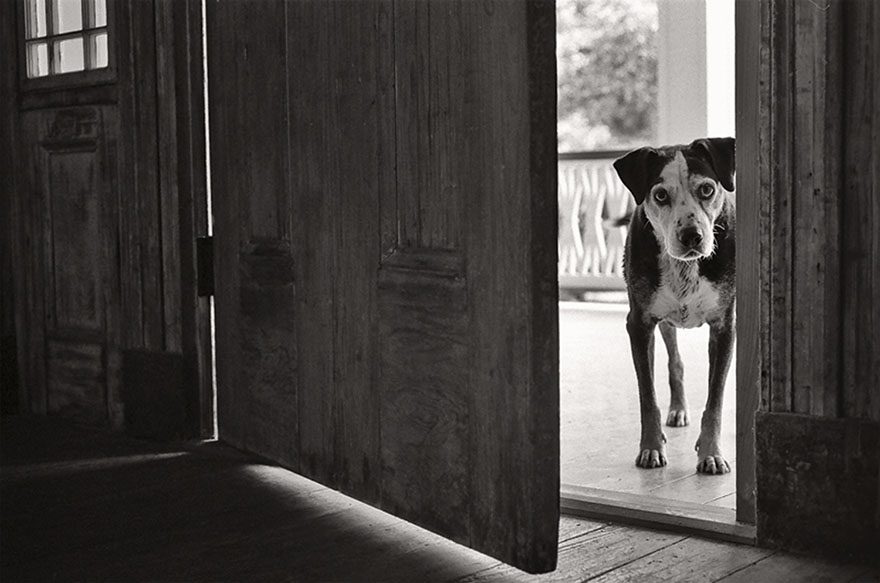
x=652, y=447
x=678, y=410
x=721, y=338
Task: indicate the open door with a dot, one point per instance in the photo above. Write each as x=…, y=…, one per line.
x=384, y=183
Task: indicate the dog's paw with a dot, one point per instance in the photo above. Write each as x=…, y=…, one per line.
x=710, y=460
x=713, y=464
x=677, y=418
x=651, y=458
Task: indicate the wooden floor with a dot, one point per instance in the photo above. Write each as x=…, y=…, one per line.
x=600, y=410
x=82, y=505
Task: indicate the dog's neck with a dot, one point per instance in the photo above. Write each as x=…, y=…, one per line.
x=681, y=277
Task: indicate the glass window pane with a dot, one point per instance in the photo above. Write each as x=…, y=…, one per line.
x=37, y=60
x=99, y=50
x=69, y=55
x=35, y=11
x=100, y=11
x=67, y=16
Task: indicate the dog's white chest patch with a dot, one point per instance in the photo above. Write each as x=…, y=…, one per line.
x=684, y=299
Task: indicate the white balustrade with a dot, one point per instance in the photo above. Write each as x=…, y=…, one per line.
x=590, y=254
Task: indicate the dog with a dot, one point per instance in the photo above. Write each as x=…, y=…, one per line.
x=679, y=266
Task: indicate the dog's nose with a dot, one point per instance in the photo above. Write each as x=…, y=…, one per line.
x=690, y=237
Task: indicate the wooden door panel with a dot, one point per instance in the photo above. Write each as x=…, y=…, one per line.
x=424, y=327
x=77, y=380
x=72, y=214
x=384, y=187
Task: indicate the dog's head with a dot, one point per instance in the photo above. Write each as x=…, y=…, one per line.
x=682, y=189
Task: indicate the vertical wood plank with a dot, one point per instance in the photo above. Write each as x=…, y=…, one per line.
x=386, y=101
x=429, y=90
x=168, y=186
x=145, y=167
x=512, y=90
x=12, y=395
x=752, y=105
x=815, y=247
x=411, y=56
x=131, y=294
x=353, y=124
x=860, y=214
x=828, y=333
x=316, y=182
x=809, y=94
x=543, y=288
x=781, y=213
x=873, y=409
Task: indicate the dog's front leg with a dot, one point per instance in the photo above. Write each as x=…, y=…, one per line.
x=722, y=334
x=652, y=449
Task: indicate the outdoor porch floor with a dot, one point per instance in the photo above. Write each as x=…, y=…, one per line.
x=600, y=409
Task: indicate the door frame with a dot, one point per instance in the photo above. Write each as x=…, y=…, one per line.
x=752, y=23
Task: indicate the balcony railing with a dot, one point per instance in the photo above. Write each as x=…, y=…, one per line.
x=590, y=254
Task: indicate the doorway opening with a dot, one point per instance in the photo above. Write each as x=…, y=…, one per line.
x=633, y=73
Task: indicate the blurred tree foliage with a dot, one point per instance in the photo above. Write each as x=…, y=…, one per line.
x=607, y=67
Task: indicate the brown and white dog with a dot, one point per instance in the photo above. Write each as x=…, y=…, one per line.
x=679, y=265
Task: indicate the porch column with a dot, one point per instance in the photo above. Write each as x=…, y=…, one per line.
x=695, y=70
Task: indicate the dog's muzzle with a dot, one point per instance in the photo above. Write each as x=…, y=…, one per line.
x=689, y=244
x=690, y=238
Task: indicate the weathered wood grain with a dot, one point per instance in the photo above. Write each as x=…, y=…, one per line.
x=315, y=178
x=101, y=213
x=817, y=484
x=779, y=568
x=861, y=365
x=354, y=155
x=599, y=551
x=753, y=75
x=781, y=217
x=256, y=344
x=143, y=170
x=817, y=88
x=70, y=225
x=419, y=139
x=168, y=185
x=515, y=356
x=820, y=357
x=691, y=559
x=424, y=338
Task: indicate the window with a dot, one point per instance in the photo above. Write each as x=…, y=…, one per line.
x=65, y=36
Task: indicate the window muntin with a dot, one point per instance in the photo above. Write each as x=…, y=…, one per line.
x=65, y=36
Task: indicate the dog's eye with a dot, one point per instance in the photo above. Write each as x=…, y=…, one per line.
x=706, y=190
x=661, y=196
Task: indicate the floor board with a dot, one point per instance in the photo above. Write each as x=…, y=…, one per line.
x=82, y=505
x=691, y=559
x=782, y=568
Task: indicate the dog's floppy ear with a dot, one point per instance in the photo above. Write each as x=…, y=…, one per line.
x=638, y=170
x=721, y=154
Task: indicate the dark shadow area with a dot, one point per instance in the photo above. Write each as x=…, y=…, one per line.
x=205, y=512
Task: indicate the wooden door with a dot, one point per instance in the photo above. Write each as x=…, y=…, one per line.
x=384, y=183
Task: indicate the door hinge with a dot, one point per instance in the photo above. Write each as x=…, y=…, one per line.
x=205, y=266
